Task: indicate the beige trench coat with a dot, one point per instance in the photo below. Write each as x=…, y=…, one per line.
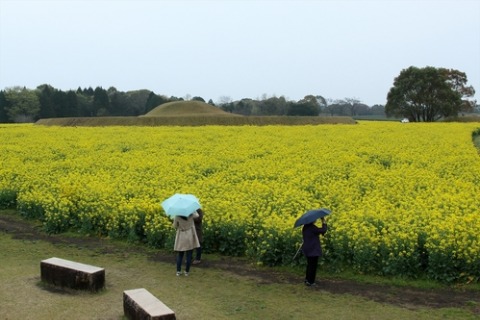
x=186, y=237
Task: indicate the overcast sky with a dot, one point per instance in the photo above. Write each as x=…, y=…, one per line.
x=236, y=49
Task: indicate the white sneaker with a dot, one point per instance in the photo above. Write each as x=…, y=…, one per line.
x=178, y=273
x=186, y=274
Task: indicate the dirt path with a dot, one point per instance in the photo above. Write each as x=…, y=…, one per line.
x=411, y=298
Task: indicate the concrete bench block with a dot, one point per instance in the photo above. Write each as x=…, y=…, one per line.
x=141, y=304
x=70, y=274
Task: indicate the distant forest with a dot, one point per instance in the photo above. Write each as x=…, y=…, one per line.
x=19, y=104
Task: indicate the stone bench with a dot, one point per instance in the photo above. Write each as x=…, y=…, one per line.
x=65, y=273
x=141, y=304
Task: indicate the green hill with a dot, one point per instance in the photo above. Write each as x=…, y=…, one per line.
x=187, y=108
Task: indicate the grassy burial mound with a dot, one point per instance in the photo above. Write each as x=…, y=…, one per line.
x=193, y=113
x=187, y=108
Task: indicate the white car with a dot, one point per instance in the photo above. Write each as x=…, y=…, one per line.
x=404, y=120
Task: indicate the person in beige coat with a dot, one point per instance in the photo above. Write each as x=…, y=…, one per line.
x=185, y=241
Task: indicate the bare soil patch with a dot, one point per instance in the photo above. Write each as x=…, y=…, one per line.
x=406, y=297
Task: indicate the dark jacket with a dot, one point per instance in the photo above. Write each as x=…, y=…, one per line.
x=198, y=225
x=311, y=239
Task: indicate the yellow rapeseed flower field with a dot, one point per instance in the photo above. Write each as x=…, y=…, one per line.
x=404, y=197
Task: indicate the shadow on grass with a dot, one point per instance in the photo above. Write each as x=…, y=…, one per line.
x=51, y=288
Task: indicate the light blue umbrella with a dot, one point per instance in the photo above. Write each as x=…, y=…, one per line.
x=181, y=205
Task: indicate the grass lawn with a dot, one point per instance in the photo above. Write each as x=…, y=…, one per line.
x=208, y=293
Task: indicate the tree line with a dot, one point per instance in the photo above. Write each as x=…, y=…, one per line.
x=419, y=94
x=20, y=104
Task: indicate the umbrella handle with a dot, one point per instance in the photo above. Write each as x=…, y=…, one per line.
x=298, y=251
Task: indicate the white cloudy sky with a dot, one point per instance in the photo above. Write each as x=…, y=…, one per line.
x=236, y=49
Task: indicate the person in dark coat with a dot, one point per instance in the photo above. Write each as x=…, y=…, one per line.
x=199, y=229
x=312, y=249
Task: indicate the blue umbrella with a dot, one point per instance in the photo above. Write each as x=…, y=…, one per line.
x=311, y=216
x=181, y=205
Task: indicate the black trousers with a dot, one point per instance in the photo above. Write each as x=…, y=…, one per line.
x=311, y=272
